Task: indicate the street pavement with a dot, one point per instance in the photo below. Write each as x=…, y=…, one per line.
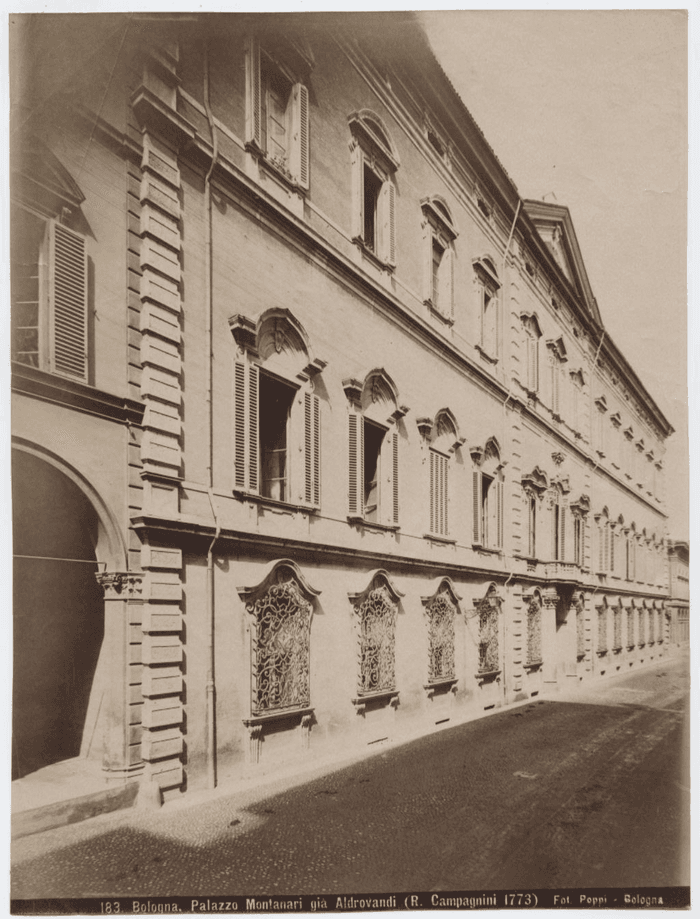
x=554, y=793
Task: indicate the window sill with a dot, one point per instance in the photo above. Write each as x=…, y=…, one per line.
x=630, y=647
x=602, y=653
x=440, y=684
x=617, y=650
x=581, y=655
x=362, y=700
x=534, y=665
x=487, y=357
x=487, y=675
x=372, y=525
x=371, y=255
x=279, y=506
x=255, y=720
x=277, y=169
x=435, y=537
x=486, y=549
x=438, y=313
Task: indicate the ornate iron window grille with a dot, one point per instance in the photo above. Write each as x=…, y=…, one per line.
x=441, y=638
x=630, y=628
x=377, y=615
x=534, y=632
x=602, y=630
x=617, y=629
x=280, y=649
x=640, y=620
x=580, y=633
x=488, y=639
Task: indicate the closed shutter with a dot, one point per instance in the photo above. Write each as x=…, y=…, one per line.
x=532, y=369
x=254, y=106
x=356, y=465
x=389, y=221
x=245, y=406
x=499, y=514
x=606, y=548
x=300, y=134
x=439, y=524
x=476, y=501
x=601, y=547
x=68, y=301
x=395, y=478
x=312, y=449
x=562, y=533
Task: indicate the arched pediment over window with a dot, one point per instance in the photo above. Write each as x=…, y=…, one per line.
x=442, y=585
x=278, y=572
x=558, y=348
x=485, y=268
x=375, y=610
x=437, y=210
x=531, y=324
x=378, y=580
x=371, y=130
x=445, y=434
x=537, y=480
x=279, y=340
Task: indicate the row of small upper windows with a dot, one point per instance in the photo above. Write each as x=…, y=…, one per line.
x=625, y=553
x=278, y=128
x=627, y=453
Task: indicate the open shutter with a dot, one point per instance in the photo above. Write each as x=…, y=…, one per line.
x=356, y=463
x=447, y=283
x=433, y=492
x=245, y=406
x=300, y=134
x=68, y=301
x=389, y=221
x=395, y=479
x=499, y=514
x=312, y=450
x=476, y=497
x=254, y=106
x=562, y=533
x=532, y=369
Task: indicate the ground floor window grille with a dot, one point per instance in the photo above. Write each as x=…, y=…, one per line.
x=630, y=628
x=580, y=634
x=602, y=630
x=534, y=632
x=377, y=614
x=441, y=638
x=651, y=626
x=280, y=649
x=617, y=629
x=660, y=627
x=488, y=640
x=640, y=637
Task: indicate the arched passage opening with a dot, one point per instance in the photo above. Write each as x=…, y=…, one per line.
x=58, y=610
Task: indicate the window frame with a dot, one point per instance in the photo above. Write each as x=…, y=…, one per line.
x=488, y=287
x=439, y=232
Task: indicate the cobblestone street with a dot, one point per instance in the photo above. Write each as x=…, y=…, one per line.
x=552, y=793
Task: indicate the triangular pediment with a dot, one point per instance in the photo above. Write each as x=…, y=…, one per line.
x=556, y=229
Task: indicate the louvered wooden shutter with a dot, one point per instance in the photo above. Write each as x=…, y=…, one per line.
x=312, y=449
x=499, y=514
x=447, y=283
x=601, y=547
x=356, y=463
x=395, y=479
x=562, y=533
x=300, y=134
x=532, y=368
x=254, y=106
x=245, y=406
x=476, y=497
x=389, y=221
x=68, y=302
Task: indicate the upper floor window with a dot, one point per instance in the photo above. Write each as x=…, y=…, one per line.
x=277, y=112
x=532, y=334
x=600, y=425
x=488, y=285
x=373, y=449
x=374, y=162
x=559, y=521
x=577, y=389
x=534, y=485
x=277, y=415
x=628, y=453
x=49, y=267
x=439, y=234
x=487, y=481
x=579, y=514
x=615, y=443
x=444, y=439
x=557, y=359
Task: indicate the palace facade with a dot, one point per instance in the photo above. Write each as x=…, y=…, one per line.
x=319, y=439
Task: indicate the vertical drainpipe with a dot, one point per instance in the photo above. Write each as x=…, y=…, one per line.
x=209, y=334
x=505, y=614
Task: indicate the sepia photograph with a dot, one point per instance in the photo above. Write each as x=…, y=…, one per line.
x=349, y=460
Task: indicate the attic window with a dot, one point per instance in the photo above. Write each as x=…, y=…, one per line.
x=436, y=143
x=483, y=207
x=530, y=270
x=555, y=303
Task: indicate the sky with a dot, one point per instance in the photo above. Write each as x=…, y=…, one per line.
x=590, y=109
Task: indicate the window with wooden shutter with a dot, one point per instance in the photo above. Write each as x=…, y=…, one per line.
x=499, y=514
x=356, y=464
x=67, y=302
x=395, y=478
x=388, y=252
x=562, y=533
x=246, y=436
x=254, y=102
x=439, y=495
x=312, y=449
x=300, y=135
x=477, y=507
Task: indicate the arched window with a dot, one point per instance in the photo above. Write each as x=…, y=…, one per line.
x=534, y=629
x=578, y=605
x=439, y=234
x=277, y=415
x=577, y=399
x=488, y=285
x=557, y=359
x=534, y=485
x=376, y=610
x=487, y=496
x=603, y=627
x=488, y=609
x=531, y=335
x=281, y=607
x=373, y=449
x=443, y=438
x=579, y=514
x=374, y=162
x=441, y=609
